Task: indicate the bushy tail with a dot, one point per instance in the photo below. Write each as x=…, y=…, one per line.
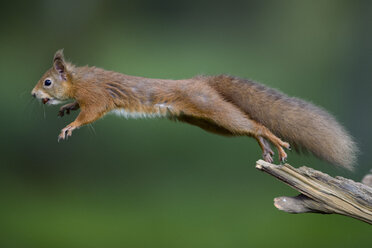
x=302, y=124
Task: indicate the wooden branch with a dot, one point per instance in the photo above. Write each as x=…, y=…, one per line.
x=321, y=193
x=367, y=179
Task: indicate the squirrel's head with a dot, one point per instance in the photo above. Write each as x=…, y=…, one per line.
x=55, y=85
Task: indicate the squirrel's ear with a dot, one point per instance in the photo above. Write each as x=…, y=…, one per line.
x=59, y=64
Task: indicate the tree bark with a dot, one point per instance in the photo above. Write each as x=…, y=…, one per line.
x=321, y=193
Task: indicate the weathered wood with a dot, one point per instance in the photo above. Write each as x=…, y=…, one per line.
x=321, y=193
x=367, y=179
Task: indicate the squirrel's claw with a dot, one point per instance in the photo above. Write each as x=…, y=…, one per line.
x=286, y=145
x=283, y=160
x=268, y=157
x=268, y=154
x=66, y=132
x=282, y=156
x=61, y=112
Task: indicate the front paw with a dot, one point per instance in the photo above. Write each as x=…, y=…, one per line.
x=68, y=107
x=62, y=110
x=66, y=132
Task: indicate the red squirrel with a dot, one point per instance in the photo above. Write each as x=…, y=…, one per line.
x=224, y=105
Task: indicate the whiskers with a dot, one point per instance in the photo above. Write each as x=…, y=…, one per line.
x=22, y=94
x=44, y=111
x=29, y=106
x=92, y=129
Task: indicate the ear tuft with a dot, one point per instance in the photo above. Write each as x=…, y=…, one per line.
x=59, y=64
x=59, y=55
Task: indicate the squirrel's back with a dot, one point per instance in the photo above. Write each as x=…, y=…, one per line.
x=302, y=124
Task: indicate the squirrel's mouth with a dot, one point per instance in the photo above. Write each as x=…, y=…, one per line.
x=45, y=100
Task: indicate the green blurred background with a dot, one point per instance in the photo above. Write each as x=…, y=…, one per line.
x=156, y=183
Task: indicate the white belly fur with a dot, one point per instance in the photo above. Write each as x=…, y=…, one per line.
x=160, y=111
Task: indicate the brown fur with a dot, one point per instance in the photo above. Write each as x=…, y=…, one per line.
x=304, y=125
x=224, y=105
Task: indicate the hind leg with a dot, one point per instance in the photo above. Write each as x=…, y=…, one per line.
x=261, y=134
x=231, y=118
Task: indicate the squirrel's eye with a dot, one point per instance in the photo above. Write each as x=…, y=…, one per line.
x=48, y=82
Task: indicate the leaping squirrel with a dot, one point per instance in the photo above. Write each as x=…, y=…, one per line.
x=222, y=104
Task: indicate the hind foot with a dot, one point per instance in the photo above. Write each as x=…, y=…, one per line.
x=282, y=154
x=267, y=153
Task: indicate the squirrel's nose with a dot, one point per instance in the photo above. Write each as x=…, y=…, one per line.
x=34, y=94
